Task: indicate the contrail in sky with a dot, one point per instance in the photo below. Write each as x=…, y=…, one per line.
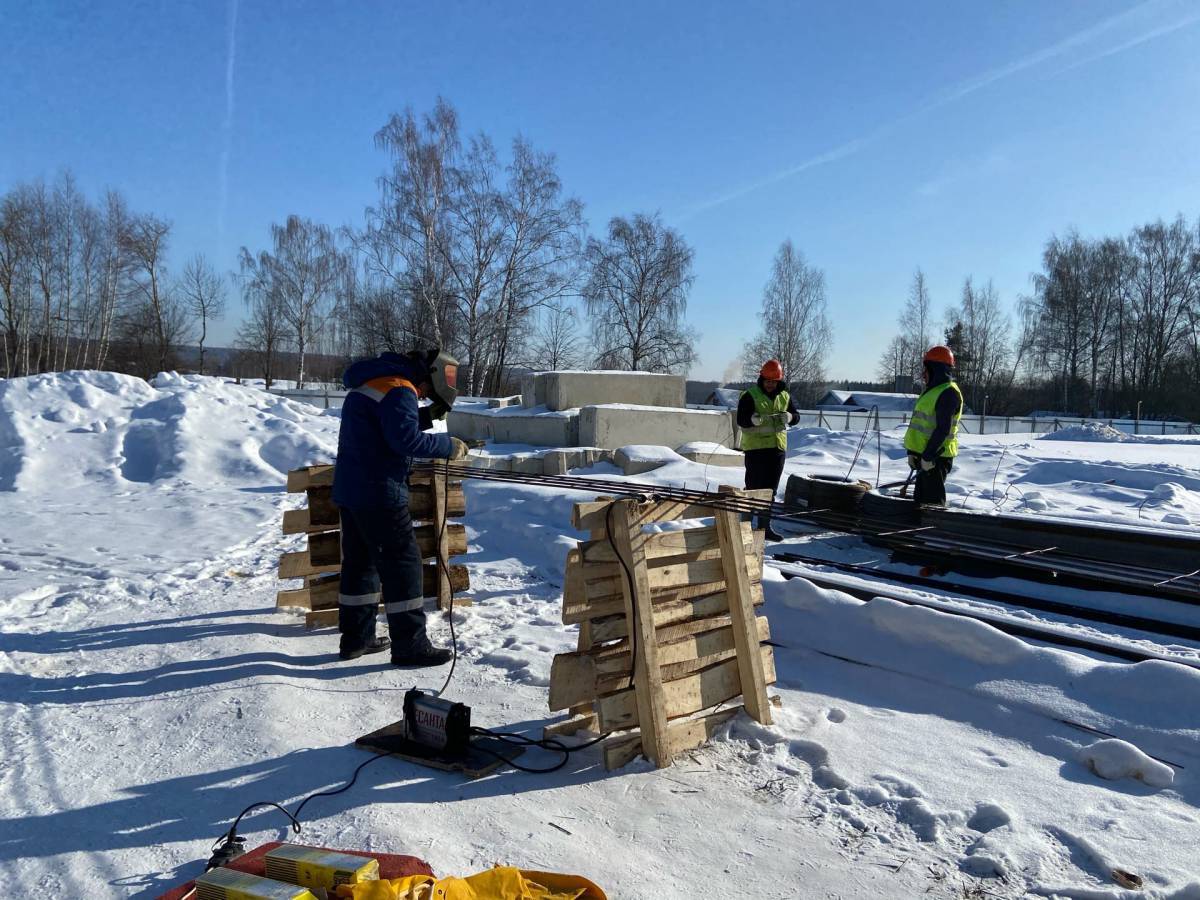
x=965, y=89
x=227, y=125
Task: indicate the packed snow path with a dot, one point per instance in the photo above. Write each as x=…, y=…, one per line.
x=150, y=691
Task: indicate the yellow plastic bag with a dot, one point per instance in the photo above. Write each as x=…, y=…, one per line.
x=500, y=883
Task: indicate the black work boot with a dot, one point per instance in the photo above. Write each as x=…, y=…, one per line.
x=375, y=645
x=420, y=655
x=773, y=535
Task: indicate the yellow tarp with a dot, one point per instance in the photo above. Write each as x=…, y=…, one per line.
x=500, y=883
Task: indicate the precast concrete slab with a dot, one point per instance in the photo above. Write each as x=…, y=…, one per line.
x=570, y=389
x=516, y=425
x=616, y=425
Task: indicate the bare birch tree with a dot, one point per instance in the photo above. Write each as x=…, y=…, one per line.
x=203, y=289
x=636, y=295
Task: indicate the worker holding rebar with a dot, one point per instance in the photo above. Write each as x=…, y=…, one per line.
x=383, y=428
x=764, y=413
x=932, y=436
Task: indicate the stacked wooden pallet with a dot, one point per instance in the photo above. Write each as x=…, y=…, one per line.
x=667, y=628
x=433, y=499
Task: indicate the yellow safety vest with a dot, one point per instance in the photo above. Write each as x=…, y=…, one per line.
x=924, y=420
x=772, y=433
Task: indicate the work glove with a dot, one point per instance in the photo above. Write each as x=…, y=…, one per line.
x=458, y=450
x=756, y=420
x=914, y=461
x=927, y=465
x=438, y=410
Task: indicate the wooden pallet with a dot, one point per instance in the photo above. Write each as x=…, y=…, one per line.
x=667, y=628
x=432, y=500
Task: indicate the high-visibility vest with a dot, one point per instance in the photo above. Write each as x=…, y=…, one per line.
x=924, y=420
x=772, y=433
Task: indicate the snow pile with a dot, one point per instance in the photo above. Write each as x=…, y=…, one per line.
x=1155, y=703
x=1095, y=432
x=105, y=428
x=1113, y=759
x=148, y=475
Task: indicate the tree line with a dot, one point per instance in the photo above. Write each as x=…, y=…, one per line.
x=464, y=247
x=1111, y=328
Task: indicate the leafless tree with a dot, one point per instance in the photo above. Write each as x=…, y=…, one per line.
x=979, y=333
x=793, y=322
x=556, y=344
x=302, y=274
x=153, y=303
x=203, y=289
x=263, y=332
x=636, y=295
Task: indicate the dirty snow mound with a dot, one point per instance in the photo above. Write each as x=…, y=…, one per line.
x=1113, y=759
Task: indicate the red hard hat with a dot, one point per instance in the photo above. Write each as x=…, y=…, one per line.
x=941, y=354
x=772, y=370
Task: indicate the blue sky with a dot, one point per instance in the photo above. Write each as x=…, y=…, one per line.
x=878, y=136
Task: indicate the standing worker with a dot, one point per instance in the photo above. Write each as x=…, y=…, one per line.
x=764, y=413
x=932, y=436
x=382, y=431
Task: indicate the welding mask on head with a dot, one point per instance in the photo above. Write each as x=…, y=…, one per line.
x=443, y=375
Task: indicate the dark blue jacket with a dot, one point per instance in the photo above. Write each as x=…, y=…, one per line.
x=382, y=431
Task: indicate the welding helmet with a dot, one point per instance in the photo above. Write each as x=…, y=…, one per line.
x=442, y=369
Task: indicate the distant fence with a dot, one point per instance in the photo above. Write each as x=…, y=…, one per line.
x=851, y=420
x=322, y=397
x=868, y=421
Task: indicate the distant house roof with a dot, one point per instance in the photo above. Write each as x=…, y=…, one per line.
x=865, y=400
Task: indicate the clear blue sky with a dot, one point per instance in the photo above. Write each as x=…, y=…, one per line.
x=878, y=136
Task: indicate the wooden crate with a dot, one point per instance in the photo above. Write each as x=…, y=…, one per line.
x=433, y=499
x=667, y=628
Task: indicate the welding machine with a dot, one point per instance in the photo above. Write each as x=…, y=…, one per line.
x=437, y=724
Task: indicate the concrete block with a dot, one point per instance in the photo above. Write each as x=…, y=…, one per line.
x=709, y=454
x=502, y=402
x=613, y=426
x=515, y=425
x=571, y=390
x=528, y=464
x=533, y=390
x=559, y=462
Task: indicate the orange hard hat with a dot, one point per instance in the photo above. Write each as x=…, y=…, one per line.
x=772, y=370
x=940, y=354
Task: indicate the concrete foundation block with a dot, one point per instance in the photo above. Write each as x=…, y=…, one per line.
x=617, y=425
x=533, y=390
x=528, y=464
x=502, y=402
x=515, y=425
x=571, y=390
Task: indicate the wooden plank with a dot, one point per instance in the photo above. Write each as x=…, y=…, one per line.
x=667, y=575
x=442, y=546
x=686, y=735
x=323, y=511
x=591, y=516
x=648, y=701
x=741, y=610
x=324, y=618
x=325, y=548
x=321, y=508
x=683, y=697
x=580, y=677
x=577, y=608
x=573, y=725
x=298, y=564
x=325, y=591
x=420, y=502
x=299, y=521
x=424, y=477
x=300, y=480
x=666, y=543
x=611, y=628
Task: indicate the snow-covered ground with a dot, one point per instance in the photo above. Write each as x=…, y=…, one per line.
x=150, y=690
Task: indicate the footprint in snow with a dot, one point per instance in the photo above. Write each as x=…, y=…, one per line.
x=836, y=715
